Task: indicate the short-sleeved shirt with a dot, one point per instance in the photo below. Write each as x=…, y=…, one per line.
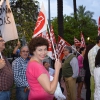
x=34, y=70
x=80, y=63
x=91, y=57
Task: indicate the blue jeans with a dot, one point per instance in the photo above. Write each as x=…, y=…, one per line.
x=20, y=94
x=4, y=95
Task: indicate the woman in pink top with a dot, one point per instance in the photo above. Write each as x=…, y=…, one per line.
x=37, y=76
x=81, y=75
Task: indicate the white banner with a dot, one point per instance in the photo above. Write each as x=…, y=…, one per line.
x=41, y=24
x=7, y=24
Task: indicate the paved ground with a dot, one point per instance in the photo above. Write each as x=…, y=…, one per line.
x=83, y=90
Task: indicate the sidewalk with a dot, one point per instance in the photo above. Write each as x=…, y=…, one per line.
x=83, y=90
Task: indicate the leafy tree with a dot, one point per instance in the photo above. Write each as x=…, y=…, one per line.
x=25, y=14
x=73, y=27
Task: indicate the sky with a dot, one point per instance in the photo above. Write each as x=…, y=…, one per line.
x=91, y=5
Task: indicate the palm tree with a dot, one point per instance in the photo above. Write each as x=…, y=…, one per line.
x=74, y=4
x=81, y=14
x=60, y=17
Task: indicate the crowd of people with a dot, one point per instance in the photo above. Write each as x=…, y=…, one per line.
x=35, y=79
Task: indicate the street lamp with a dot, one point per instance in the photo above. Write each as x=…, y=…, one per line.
x=88, y=38
x=49, y=13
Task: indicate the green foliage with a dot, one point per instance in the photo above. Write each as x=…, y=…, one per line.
x=73, y=27
x=10, y=45
x=25, y=14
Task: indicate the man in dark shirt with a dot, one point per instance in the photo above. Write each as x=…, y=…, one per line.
x=6, y=74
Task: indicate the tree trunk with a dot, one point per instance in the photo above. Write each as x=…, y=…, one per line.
x=60, y=17
x=74, y=4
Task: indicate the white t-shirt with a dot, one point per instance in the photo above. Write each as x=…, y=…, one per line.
x=58, y=93
x=51, y=71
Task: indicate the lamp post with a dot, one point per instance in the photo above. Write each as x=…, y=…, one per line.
x=88, y=38
x=49, y=20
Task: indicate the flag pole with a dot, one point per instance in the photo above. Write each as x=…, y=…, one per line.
x=75, y=50
x=52, y=42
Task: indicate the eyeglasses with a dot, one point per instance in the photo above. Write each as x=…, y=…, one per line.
x=2, y=41
x=25, y=51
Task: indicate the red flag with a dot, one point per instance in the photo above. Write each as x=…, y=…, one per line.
x=41, y=24
x=99, y=26
x=52, y=35
x=42, y=34
x=50, y=49
x=53, y=41
x=60, y=46
x=82, y=41
x=77, y=42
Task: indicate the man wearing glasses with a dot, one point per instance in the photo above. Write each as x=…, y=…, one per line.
x=19, y=68
x=6, y=74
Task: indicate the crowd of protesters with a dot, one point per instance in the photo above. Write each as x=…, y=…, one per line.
x=31, y=75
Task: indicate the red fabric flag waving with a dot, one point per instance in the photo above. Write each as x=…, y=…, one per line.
x=60, y=46
x=53, y=41
x=50, y=49
x=52, y=35
x=82, y=41
x=41, y=24
x=77, y=42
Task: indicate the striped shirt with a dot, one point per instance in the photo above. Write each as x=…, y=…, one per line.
x=19, y=68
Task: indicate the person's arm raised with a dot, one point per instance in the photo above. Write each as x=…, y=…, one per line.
x=48, y=86
x=17, y=47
